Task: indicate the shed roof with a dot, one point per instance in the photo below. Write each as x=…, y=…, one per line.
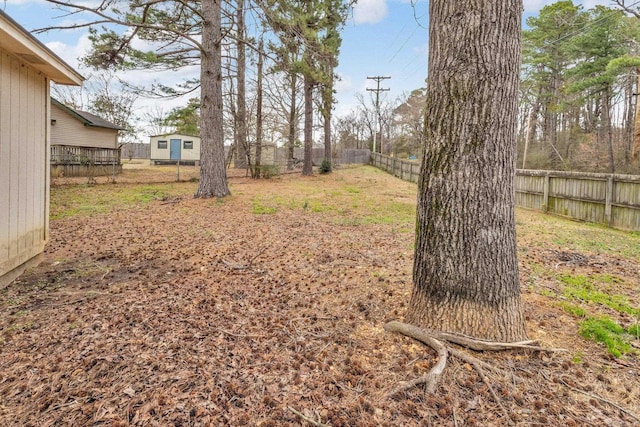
x=174, y=133
x=86, y=118
x=17, y=40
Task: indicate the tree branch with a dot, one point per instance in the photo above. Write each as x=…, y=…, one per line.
x=111, y=19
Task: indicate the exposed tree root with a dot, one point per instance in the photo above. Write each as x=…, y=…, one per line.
x=463, y=340
x=307, y=419
x=431, y=379
x=431, y=338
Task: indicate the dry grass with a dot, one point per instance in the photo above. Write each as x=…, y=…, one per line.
x=154, y=308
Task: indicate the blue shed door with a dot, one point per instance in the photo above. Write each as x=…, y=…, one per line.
x=174, y=151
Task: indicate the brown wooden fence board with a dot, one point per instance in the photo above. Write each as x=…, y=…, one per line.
x=608, y=199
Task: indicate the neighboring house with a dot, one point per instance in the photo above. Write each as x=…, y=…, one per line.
x=82, y=144
x=174, y=147
x=26, y=68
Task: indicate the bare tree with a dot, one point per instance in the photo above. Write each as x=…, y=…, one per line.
x=181, y=33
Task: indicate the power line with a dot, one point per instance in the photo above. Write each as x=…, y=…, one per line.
x=377, y=90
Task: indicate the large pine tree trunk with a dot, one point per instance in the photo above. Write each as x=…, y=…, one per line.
x=465, y=270
x=293, y=122
x=635, y=148
x=258, y=160
x=213, y=174
x=242, y=146
x=327, y=128
x=307, y=168
x=327, y=108
x=608, y=134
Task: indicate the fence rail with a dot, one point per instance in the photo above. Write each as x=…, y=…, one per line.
x=70, y=160
x=609, y=199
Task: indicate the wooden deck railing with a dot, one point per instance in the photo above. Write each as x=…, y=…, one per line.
x=72, y=155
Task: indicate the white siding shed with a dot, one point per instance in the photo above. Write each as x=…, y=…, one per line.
x=170, y=148
x=26, y=68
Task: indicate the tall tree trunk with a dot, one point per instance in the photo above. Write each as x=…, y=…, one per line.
x=532, y=123
x=213, y=174
x=635, y=150
x=258, y=160
x=465, y=269
x=552, y=126
x=242, y=149
x=327, y=134
x=628, y=122
x=307, y=169
x=293, y=122
x=326, y=116
x=606, y=119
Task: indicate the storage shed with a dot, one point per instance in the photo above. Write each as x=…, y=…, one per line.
x=174, y=147
x=82, y=144
x=26, y=68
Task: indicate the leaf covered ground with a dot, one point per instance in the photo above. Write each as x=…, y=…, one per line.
x=267, y=307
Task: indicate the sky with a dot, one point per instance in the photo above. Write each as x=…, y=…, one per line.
x=387, y=38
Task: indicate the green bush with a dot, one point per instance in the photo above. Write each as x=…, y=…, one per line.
x=269, y=171
x=325, y=166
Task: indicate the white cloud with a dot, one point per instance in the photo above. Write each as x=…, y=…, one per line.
x=343, y=84
x=71, y=54
x=369, y=11
x=534, y=5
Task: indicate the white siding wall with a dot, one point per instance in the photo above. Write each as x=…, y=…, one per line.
x=164, y=153
x=68, y=130
x=24, y=97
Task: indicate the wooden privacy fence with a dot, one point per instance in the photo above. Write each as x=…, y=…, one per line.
x=347, y=156
x=407, y=170
x=135, y=150
x=609, y=199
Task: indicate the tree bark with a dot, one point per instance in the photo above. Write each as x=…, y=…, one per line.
x=326, y=115
x=213, y=174
x=242, y=147
x=307, y=168
x=606, y=118
x=532, y=123
x=293, y=122
x=258, y=160
x=465, y=267
x=635, y=149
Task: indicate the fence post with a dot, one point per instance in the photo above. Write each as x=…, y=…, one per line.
x=545, y=197
x=608, y=198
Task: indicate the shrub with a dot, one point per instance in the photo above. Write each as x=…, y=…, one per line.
x=325, y=166
x=269, y=171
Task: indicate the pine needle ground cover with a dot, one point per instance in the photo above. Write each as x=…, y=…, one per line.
x=267, y=308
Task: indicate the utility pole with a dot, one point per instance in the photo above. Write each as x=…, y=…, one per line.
x=377, y=90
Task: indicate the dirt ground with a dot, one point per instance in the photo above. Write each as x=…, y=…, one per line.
x=267, y=309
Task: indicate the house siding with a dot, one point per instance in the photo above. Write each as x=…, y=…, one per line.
x=192, y=155
x=68, y=130
x=23, y=162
